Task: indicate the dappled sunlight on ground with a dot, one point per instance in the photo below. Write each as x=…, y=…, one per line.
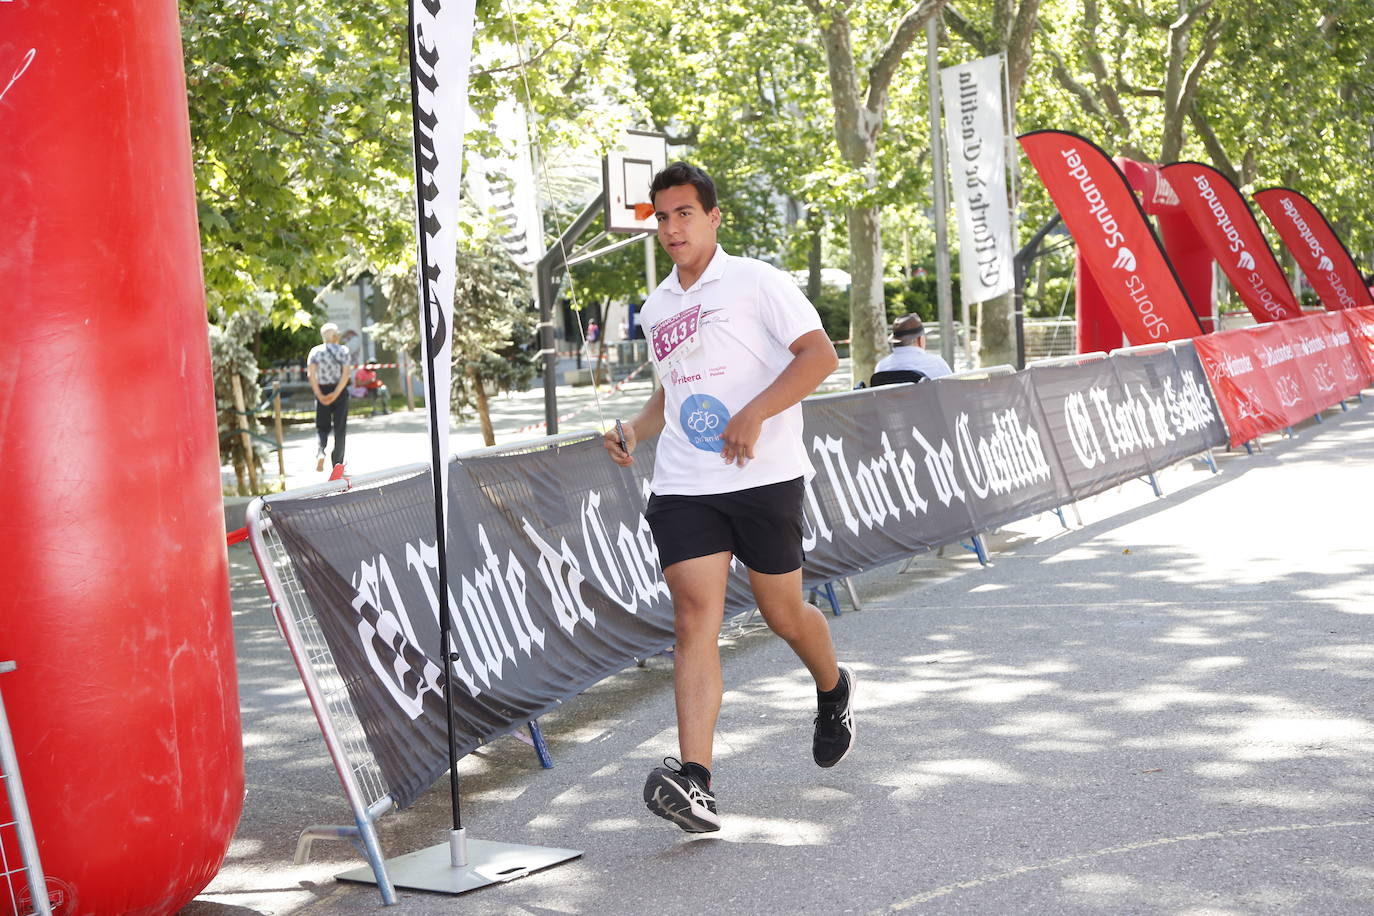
x=745, y=828
x=1164, y=710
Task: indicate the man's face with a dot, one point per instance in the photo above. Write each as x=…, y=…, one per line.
x=685, y=231
x=331, y=336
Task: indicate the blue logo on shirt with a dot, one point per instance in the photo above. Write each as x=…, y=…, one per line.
x=703, y=419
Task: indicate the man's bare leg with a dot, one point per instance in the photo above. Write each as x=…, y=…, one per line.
x=803, y=626
x=805, y=629
x=698, y=589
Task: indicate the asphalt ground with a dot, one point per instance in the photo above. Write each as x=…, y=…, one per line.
x=1165, y=709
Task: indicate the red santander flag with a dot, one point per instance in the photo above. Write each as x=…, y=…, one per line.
x=1114, y=238
x=1316, y=247
x=1221, y=216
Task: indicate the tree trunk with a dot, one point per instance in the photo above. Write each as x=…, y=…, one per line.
x=867, y=308
x=240, y=469
x=815, y=225
x=858, y=119
x=1174, y=113
x=479, y=394
x=996, y=340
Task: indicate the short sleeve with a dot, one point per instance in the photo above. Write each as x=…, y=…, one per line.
x=785, y=312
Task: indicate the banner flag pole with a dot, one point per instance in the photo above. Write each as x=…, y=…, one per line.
x=440, y=45
x=439, y=41
x=944, y=295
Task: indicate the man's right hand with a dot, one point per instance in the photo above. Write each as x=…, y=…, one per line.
x=611, y=442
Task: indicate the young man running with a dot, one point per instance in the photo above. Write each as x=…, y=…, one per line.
x=737, y=347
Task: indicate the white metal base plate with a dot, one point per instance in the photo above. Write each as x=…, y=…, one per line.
x=488, y=863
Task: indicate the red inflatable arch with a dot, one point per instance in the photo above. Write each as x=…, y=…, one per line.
x=115, y=601
x=1097, y=327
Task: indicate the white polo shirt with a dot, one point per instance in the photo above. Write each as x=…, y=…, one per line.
x=717, y=345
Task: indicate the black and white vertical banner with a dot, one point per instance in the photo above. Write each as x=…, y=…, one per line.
x=440, y=49
x=976, y=131
x=554, y=580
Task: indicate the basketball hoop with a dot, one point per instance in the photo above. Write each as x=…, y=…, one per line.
x=625, y=176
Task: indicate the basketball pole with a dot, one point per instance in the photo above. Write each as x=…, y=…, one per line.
x=650, y=283
x=553, y=263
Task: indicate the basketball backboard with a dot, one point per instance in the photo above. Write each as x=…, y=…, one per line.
x=625, y=177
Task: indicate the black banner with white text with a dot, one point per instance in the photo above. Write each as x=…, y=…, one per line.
x=554, y=581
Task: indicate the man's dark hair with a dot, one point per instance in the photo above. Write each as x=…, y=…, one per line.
x=680, y=173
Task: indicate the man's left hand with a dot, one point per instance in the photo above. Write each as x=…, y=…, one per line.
x=739, y=437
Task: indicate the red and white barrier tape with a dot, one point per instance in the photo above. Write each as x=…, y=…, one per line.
x=282, y=370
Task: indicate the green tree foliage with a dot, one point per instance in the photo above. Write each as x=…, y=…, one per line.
x=493, y=325
x=810, y=116
x=301, y=127
x=1268, y=91
x=299, y=121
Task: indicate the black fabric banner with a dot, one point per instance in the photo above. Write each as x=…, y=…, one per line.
x=1123, y=417
x=1003, y=448
x=554, y=581
x=1193, y=411
x=886, y=484
x=1081, y=404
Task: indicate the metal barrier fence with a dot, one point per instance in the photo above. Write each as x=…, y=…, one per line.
x=1045, y=338
x=1049, y=338
x=365, y=788
x=18, y=826
x=965, y=342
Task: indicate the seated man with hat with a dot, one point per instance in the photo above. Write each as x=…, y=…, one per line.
x=908, y=350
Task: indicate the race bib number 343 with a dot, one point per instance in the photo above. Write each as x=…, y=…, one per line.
x=675, y=337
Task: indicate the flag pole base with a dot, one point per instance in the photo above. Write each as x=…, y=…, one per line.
x=432, y=870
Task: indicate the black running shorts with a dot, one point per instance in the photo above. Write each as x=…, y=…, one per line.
x=762, y=526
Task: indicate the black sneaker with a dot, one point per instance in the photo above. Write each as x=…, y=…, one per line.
x=834, y=736
x=681, y=798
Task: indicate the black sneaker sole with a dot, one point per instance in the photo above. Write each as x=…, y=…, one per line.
x=665, y=798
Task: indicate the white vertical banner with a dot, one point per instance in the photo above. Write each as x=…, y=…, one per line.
x=440, y=49
x=977, y=141
x=503, y=186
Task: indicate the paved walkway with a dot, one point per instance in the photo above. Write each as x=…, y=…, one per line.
x=1167, y=710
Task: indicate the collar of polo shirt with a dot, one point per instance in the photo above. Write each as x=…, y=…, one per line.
x=713, y=271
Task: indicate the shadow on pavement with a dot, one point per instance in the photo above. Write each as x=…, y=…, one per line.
x=1164, y=711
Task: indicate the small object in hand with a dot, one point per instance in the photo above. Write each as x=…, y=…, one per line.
x=620, y=436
